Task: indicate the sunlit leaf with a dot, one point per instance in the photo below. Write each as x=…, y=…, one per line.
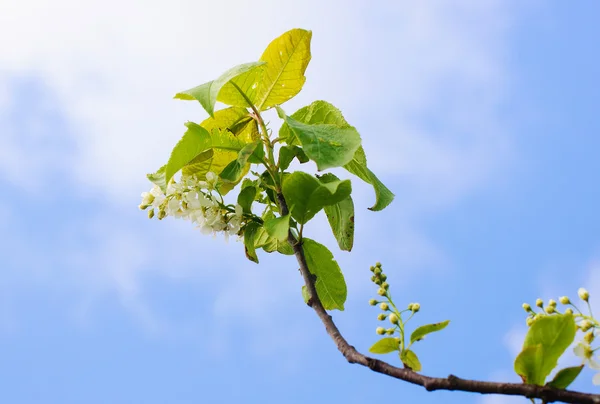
x=385, y=345
x=330, y=283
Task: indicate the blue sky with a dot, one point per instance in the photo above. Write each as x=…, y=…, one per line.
x=480, y=116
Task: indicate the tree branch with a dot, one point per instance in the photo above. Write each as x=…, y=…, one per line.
x=547, y=394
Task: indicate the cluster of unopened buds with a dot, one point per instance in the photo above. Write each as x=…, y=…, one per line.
x=387, y=306
x=194, y=200
x=586, y=323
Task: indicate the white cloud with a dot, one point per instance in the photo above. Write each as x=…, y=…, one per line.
x=422, y=81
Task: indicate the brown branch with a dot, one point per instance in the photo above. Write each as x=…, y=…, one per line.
x=547, y=394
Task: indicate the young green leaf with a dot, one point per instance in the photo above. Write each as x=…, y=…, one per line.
x=305, y=294
x=195, y=140
x=250, y=233
x=565, y=377
x=158, y=178
x=246, y=197
x=307, y=195
x=410, y=359
x=341, y=217
x=420, y=332
x=287, y=154
x=553, y=334
x=358, y=167
x=529, y=365
x=234, y=171
x=385, y=345
x=330, y=283
x=207, y=93
x=279, y=80
x=322, y=112
x=326, y=144
x=278, y=228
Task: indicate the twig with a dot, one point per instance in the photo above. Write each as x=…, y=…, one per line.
x=547, y=394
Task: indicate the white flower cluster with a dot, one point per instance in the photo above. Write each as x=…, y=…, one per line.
x=192, y=200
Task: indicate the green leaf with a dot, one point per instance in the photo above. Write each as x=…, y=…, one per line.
x=279, y=80
x=330, y=283
x=278, y=228
x=306, y=195
x=305, y=294
x=207, y=93
x=420, y=332
x=194, y=141
x=322, y=112
x=158, y=178
x=529, y=365
x=553, y=334
x=385, y=345
x=234, y=171
x=358, y=167
x=268, y=243
x=410, y=359
x=326, y=144
x=231, y=129
x=246, y=197
x=250, y=233
x=287, y=154
x=565, y=377
x=341, y=217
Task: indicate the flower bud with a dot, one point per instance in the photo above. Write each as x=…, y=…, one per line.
x=393, y=318
x=589, y=337
x=384, y=306
x=583, y=294
x=381, y=317
x=585, y=325
x=150, y=213
x=373, y=278
x=372, y=269
x=552, y=302
x=564, y=300
x=143, y=206
x=378, y=264
x=383, y=276
x=550, y=309
x=390, y=331
x=416, y=307
x=526, y=307
x=380, y=330
x=373, y=302
x=539, y=303
x=410, y=305
x=162, y=214
x=381, y=292
x=385, y=285
x=529, y=321
x=569, y=311
x=377, y=271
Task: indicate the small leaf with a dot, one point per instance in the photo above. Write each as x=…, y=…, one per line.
x=529, y=365
x=195, y=140
x=305, y=294
x=287, y=154
x=420, y=332
x=565, y=377
x=278, y=228
x=327, y=145
x=410, y=359
x=246, y=197
x=234, y=171
x=385, y=345
x=330, y=283
x=250, y=233
x=358, y=167
x=307, y=195
x=158, y=178
x=270, y=244
x=553, y=334
x=341, y=217
x=207, y=93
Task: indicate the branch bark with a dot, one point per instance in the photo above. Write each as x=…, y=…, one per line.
x=452, y=383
